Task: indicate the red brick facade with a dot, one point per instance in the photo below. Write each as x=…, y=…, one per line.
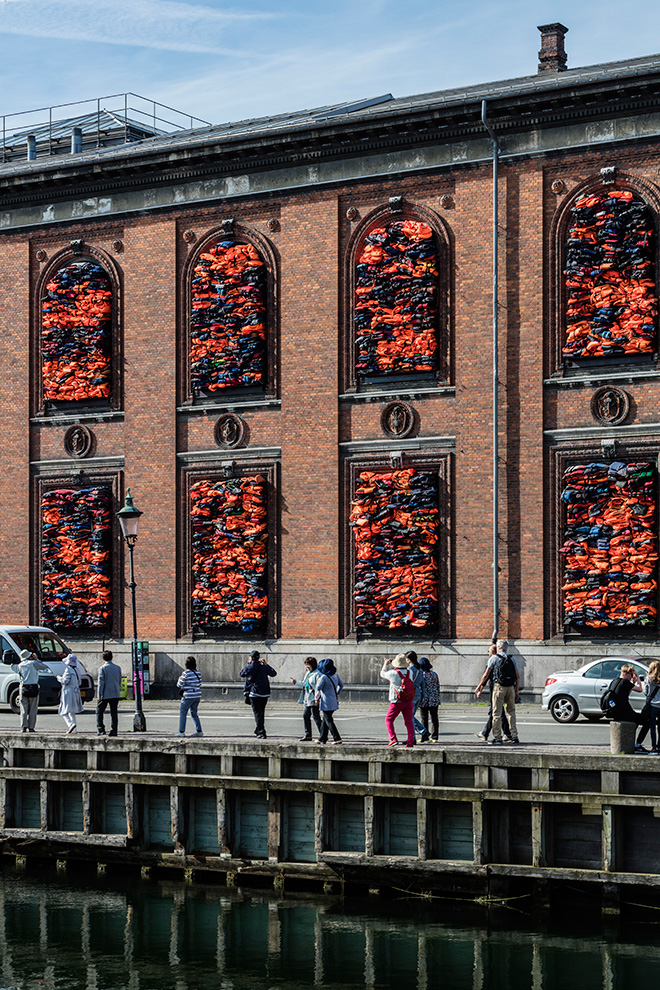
x=314, y=424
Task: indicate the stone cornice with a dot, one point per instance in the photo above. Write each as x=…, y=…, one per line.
x=395, y=138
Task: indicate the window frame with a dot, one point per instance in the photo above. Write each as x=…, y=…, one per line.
x=215, y=472
x=443, y=373
x=440, y=463
x=559, y=459
x=557, y=365
x=61, y=259
x=242, y=234
x=92, y=479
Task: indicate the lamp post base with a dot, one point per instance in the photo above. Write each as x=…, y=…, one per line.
x=139, y=722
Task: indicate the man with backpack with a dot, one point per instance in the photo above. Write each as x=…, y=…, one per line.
x=402, y=698
x=506, y=684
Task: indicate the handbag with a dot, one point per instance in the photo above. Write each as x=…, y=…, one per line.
x=29, y=690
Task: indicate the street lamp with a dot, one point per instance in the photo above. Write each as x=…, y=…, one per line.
x=128, y=520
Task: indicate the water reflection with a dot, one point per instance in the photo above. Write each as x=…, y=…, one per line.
x=109, y=934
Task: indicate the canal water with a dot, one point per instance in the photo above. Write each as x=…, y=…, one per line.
x=112, y=933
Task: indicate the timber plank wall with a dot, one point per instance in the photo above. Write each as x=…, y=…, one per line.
x=432, y=818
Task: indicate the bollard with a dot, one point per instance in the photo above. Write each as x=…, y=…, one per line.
x=622, y=738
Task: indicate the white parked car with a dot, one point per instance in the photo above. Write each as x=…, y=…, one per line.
x=48, y=647
x=569, y=693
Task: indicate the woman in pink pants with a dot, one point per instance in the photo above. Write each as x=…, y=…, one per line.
x=402, y=696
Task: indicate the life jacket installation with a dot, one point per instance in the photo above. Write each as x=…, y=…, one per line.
x=75, y=558
x=395, y=521
x=610, y=279
x=610, y=549
x=229, y=553
x=76, y=329
x=228, y=317
x=396, y=300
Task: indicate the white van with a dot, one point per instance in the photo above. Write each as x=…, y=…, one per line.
x=49, y=648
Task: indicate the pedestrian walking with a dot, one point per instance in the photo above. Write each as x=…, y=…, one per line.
x=485, y=732
x=256, y=673
x=308, y=698
x=70, y=700
x=190, y=687
x=506, y=687
x=28, y=692
x=652, y=692
x=328, y=688
x=108, y=693
x=401, y=697
x=430, y=700
x=417, y=675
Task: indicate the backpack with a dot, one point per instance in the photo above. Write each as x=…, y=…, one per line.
x=406, y=690
x=608, y=699
x=504, y=671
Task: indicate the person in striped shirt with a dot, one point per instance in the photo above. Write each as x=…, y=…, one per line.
x=190, y=684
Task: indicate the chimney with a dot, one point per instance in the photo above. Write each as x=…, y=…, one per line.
x=552, y=57
x=76, y=140
x=31, y=147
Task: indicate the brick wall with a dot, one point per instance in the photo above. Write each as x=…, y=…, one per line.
x=310, y=429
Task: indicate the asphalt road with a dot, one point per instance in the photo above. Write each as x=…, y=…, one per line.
x=359, y=722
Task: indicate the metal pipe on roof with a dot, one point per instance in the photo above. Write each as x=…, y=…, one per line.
x=31, y=147
x=496, y=453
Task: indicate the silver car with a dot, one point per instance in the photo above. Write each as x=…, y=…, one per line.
x=569, y=693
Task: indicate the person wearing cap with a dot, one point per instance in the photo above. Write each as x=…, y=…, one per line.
x=28, y=695
x=70, y=700
x=256, y=673
x=396, y=671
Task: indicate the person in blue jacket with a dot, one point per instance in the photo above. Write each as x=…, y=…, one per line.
x=256, y=673
x=328, y=687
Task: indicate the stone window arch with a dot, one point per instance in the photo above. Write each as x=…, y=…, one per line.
x=606, y=308
x=230, y=315
x=78, y=320
x=398, y=303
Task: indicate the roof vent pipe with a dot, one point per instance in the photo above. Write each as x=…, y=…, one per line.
x=552, y=57
x=31, y=147
x=76, y=140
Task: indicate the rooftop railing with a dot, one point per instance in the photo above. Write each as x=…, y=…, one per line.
x=120, y=118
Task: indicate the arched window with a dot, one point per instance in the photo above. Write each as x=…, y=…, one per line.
x=396, y=300
x=228, y=303
x=609, y=277
x=76, y=590
x=76, y=333
x=229, y=554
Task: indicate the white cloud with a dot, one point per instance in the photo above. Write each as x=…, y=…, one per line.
x=161, y=24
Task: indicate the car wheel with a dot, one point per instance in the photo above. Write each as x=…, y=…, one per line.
x=564, y=709
x=12, y=700
x=594, y=718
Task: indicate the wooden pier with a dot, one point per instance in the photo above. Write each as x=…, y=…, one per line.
x=475, y=820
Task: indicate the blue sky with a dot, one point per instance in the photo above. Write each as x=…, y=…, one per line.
x=227, y=61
